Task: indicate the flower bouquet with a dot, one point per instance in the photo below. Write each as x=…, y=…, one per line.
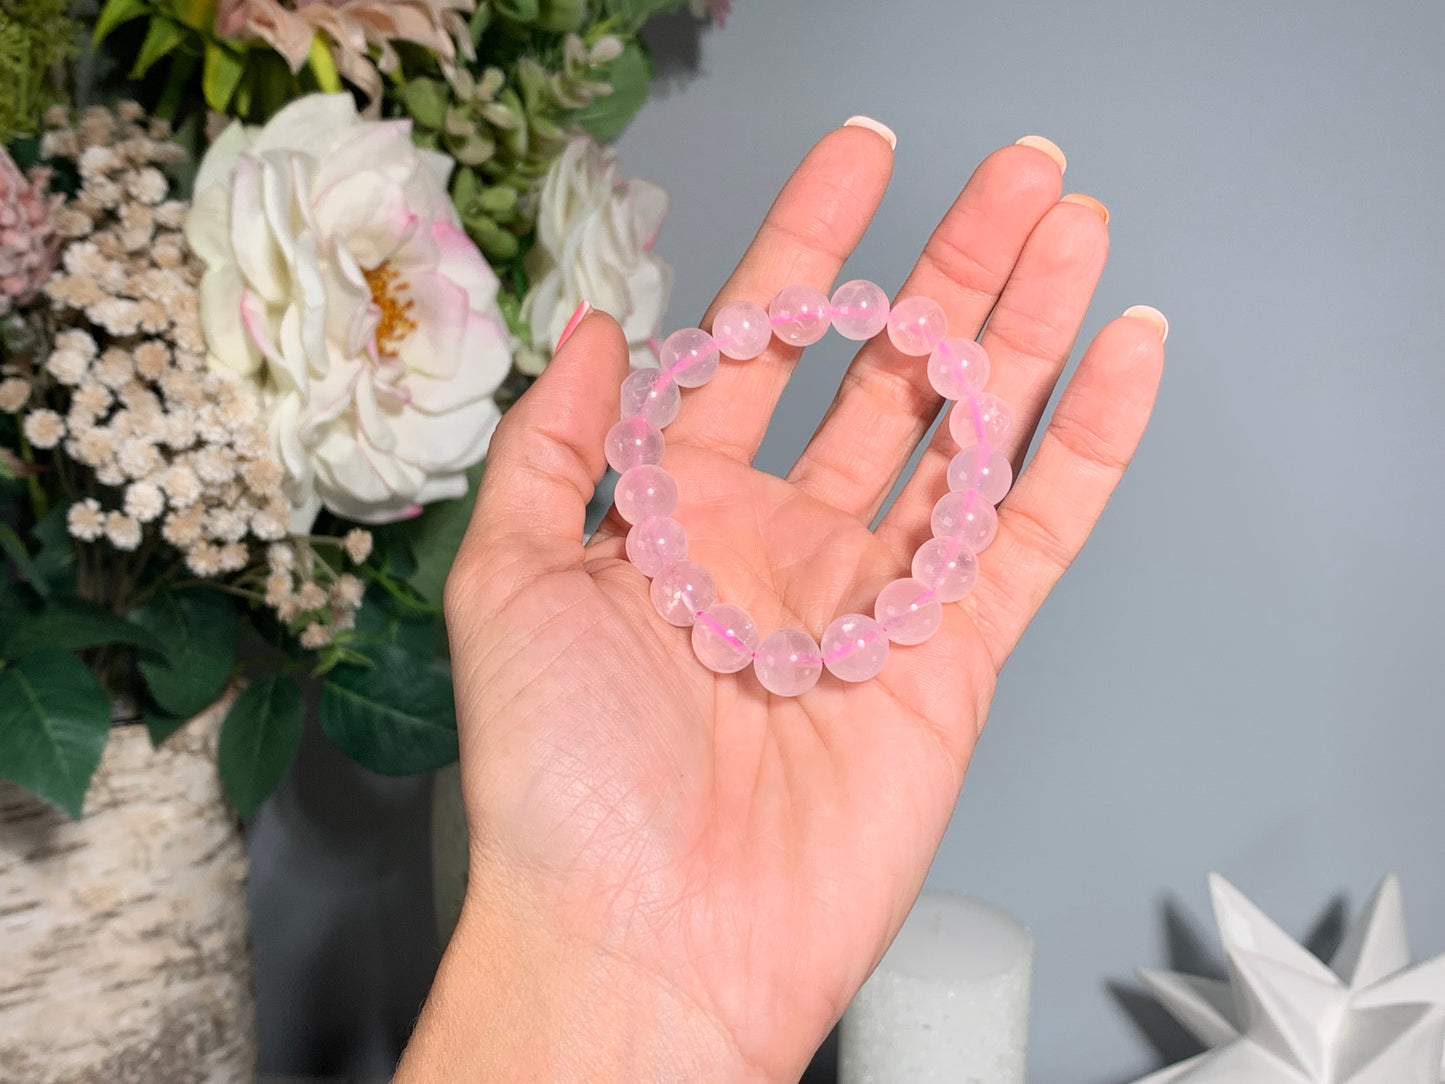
x=270, y=271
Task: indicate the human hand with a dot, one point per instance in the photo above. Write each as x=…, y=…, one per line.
x=675, y=874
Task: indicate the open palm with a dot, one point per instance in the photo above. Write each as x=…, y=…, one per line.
x=747, y=857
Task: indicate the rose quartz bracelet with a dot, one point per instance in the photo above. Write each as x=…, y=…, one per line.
x=908, y=611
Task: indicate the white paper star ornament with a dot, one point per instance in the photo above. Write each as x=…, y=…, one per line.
x=1284, y=1017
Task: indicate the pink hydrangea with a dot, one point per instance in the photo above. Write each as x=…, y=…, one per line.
x=28, y=245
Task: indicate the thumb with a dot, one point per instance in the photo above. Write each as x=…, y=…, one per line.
x=546, y=456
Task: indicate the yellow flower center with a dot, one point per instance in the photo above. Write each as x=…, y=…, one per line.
x=396, y=321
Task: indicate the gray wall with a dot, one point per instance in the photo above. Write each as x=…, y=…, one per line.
x=1243, y=672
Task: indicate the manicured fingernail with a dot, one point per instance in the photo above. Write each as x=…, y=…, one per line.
x=1087, y=201
x=873, y=126
x=582, y=310
x=1048, y=146
x=1153, y=315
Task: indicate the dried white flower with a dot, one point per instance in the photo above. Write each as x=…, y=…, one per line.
x=144, y=501
x=110, y=474
x=14, y=391
x=234, y=557
x=204, y=559
x=347, y=591
x=182, y=486
x=118, y=315
x=138, y=458
x=92, y=447
x=278, y=588
x=212, y=465
x=44, y=428
x=67, y=366
x=281, y=556
x=122, y=531
x=91, y=399
x=78, y=340
x=315, y=636
x=357, y=544
x=310, y=596
x=147, y=185
x=182, y=529
x=85, y=520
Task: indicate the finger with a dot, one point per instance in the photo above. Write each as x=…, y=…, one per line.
x=545, y=459
x=885, y=403
x=1090, y=439
x=813, y=226
x=1028, y=341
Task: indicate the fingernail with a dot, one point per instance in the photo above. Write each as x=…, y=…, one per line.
x=582, y=310
x=1087, y=201
x=1048, y=146
x=1153, y=315
x=873, y=126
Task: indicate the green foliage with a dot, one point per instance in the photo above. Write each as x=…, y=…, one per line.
x=436, y=535
x=196, y=629
x=629, y=75
x=67, y=624
x=35, y=35
x=54, y=718
x=395, y=716
x=258, y=740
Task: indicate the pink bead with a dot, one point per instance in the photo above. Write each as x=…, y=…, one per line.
x=652, y=394
x=655, y=543
x=724, y=638
x=916, y=325
x=690, y=356
x=982, y=418
x=957, y=367
x=680, y=590
x=854, y=647
x=909, y=611
x=742, y=330
x=645, y=490
x=984, y=469
x=860, y=309
x=800, y=314
x=788, y=662
x=967, y=517
x=947, y=566
x=632, y=442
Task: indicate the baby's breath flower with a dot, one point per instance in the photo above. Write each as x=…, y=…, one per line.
x=268, y=526
x=213, y=466
x=204, y=559
x=138, y=458
x=182, y=529
x=123, y=531
x=144, y=501
x=44, y=428
x=67, y=366
x=310, y=595
x=278, y=587
x=84, y=520
x=147, y=186
x=251, y=442
x=280, y=556
x=91, y=399
x=315, y=635
x=115, y=368
x=357, y=544
x=234, y=557
x=263, y=476
x=347, y=591
x=182, y=487
x=92, y=447
x=341, y=620
x=289, y=610
x=110, y=474
x=226, y=525
x=78, y=340
x=14, y=391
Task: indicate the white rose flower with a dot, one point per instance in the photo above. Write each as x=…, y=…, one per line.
x=594, y=241
x=340, y=287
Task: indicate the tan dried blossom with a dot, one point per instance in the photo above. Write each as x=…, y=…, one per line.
x=269, y=524
x=278, y=588
x=110, y=474
x=171, y=214
x=14, y=391
x=122, y=531
x=129, y=111
x=263, y=475
x=92, y=400
x=67, y=366
x=289, y=610
x=212, y=465
x=280, y=556
x=118, y=315
x=102, y=192
x=183, y=488
x=204, y=559
x=357, y=544
x=347, y=591
x=251, y=442
x=226, y=524
x=315, y=635
x=341, y=620
x=97, y=161
x=311, y=596
x=59, y=144
x=151, y=358
x=71, y=221
x=182, y=528
x=138, y=458
x=92, y=447
x=144, y=501
x=85, y=521
x=44, y=428
x=234, y=557
x=152, y=316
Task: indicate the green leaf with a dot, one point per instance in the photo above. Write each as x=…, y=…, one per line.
x=323, y=66
x=436, y=535
x=426, y=101
x=70, y=625
x=197, y=632
x=162, y=36
x=55, y=561
x=394, y=717
x=633, y=13
x=54, y=720
x=259, y=740
x=384, y=620
x=114, y=13
x=221, y=75
x=14, y=545
x=631, y=76
x=160, y=726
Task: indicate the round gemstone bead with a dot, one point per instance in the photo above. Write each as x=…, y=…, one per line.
x=957, y=367
x=655, y=543
x=982, y=418
x=724, y=638
x=967, y=517
x=632, y=442
x=800, y=314
x=652, y=394
x=984, y=469
x=908, y=611
x=680, y=590
x=947, y=566
x=742, y=330
x=788, y=662
x=860, y=309
x=690, y=356
x=854, y=647
x=645, y=490
x=917, y=325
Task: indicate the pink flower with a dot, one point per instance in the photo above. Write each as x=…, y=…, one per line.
x=28, y=245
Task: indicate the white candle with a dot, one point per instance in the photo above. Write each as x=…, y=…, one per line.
x=949, y=1002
